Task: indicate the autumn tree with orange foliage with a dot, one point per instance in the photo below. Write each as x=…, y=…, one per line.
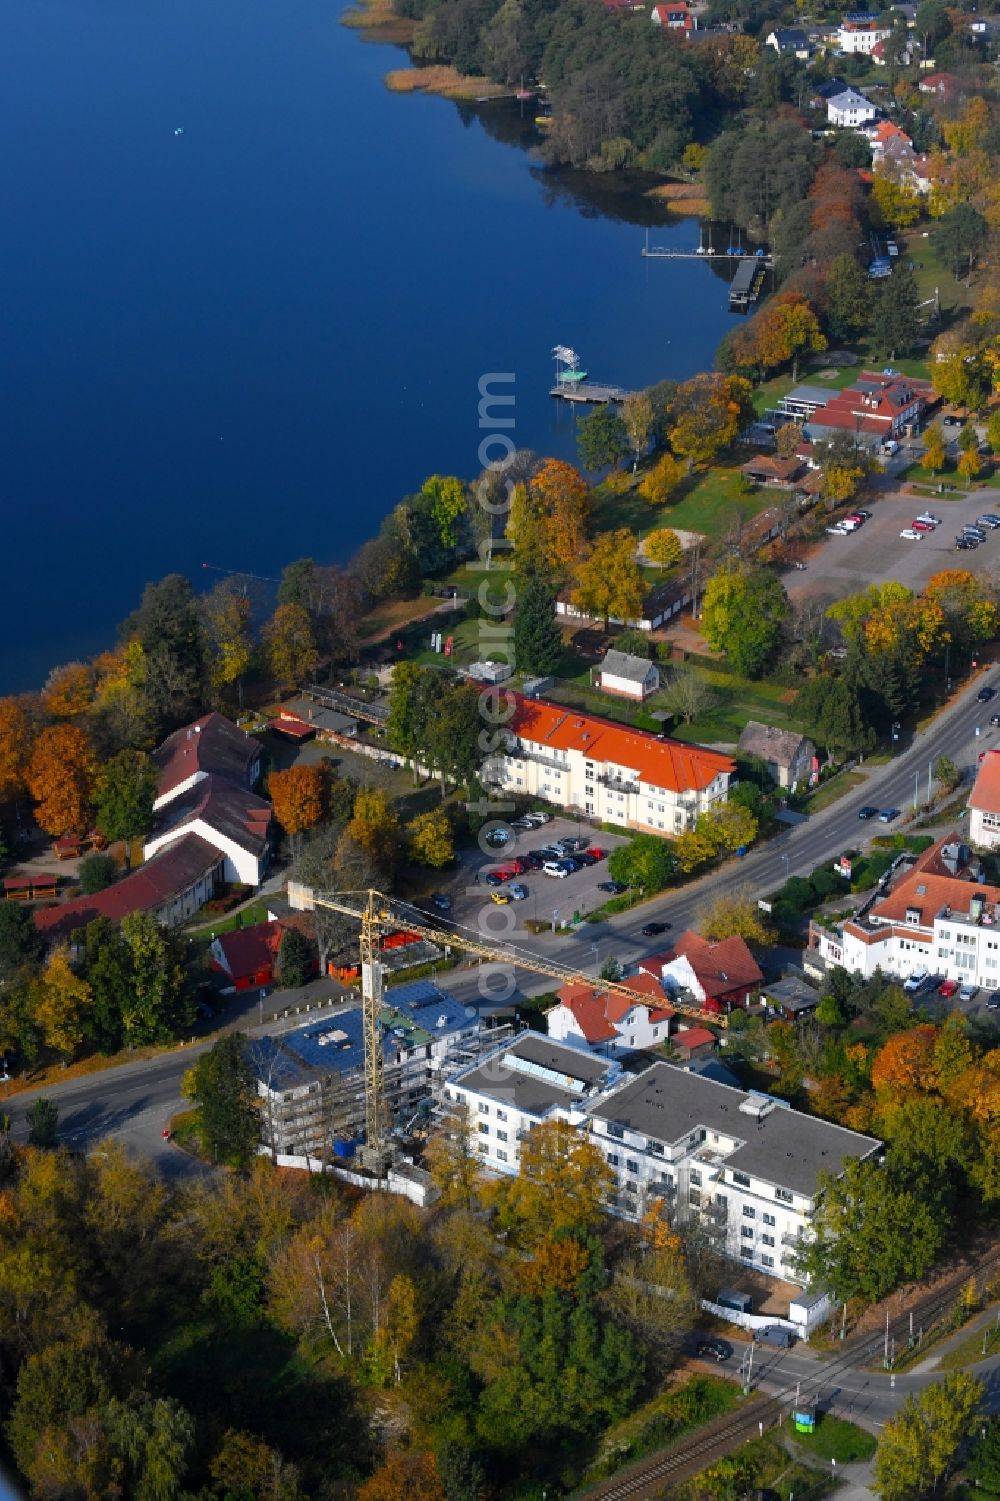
x=406, y=1475
x=905, y=1063
x=60, y=778
x=298, y=797
x=549, y=520
x=555, y=1266
x=786, y=328
x=69, y=690
x=16, y=739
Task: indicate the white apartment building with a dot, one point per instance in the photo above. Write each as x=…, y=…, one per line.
x=606, y=771
x=744, y=1164
x=984, y=803
x=862, y=33
x=938, y=917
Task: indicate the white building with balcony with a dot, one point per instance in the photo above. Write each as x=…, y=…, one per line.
x=984, y=803
x=862, y=33
x=745, y=1165
x=608, y=771
x=937, y=917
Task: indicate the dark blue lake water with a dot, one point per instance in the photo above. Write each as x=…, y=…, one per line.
x=243, y=343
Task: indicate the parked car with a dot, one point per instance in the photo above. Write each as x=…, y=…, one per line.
x=490, y=878
x=517, y=892
x=985, y=694
x=839, y=530
x=584, y=858
x=521, y=823
x=715, y=1349
x=867, y=811
x=572, y=863
x=498, y=837
x=968, y=993
x=851, y=523
x=774, y=1334
x=500, y=897
x=990, y=521
x=965, y=544
x=994, y=721
x=910, y=535
x=952, y=422
x=974, y=531
x=993, y=1000
x=574, y=843
x=531, y=860
x=888, y=814
x=549, y=852
x=597, y=852
x=615, y=887
x=556, y=868
x=538, y=817
x=930, y=518
x=947, y=988
x=440, y=902
x=865, y=515
x=913, y=982
x=891, y=448
x=653, y=928
x=921, y=526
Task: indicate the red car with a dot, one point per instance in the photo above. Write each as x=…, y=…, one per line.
x=596, y=851
x=947, y=988
x=921, y=526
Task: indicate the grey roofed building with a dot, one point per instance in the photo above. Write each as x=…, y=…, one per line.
x=783, y=1147
x=787, y=754
x=787, y=39
x=536, y=1074
x=622, y=664
x=803, y=401
x=791, y=996
x=317, y=715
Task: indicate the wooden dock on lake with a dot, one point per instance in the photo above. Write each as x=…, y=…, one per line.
x=591, y=391
x=659, y=253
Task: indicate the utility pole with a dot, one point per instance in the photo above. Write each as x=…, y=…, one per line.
x=885, y=1355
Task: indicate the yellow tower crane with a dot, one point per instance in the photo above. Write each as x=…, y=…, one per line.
x=379, y=914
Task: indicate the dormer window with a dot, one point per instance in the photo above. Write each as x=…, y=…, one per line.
x=913, y=916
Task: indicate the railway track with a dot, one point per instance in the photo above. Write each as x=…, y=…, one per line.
x=659, y=1472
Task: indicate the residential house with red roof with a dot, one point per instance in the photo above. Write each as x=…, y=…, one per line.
x=235, y=821
x=607, y=771
x=249, y=956
x=717, y=976
x=878, y=407
x=984, y=802
x=210, y=746
x=173, y=886
x=938, y=916
x=610, y=1022
x=676, y=17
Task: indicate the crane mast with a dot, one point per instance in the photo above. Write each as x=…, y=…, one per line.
x=376, y=913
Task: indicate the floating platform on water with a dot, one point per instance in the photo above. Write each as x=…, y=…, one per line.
x=653, y=253
x=588, y=391
x=746, y=285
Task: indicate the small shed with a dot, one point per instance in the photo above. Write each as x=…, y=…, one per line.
x=628, y=676
x=490, y=672
x=792, y=998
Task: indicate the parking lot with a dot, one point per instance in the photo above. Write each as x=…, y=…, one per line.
x=839, y=566
x=549, y=899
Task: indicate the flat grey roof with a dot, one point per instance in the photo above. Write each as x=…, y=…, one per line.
x=809, y=394
x=785, y=1148
x=500, y=1079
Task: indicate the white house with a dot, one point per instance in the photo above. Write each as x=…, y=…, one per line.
x=850, y=109
x=938, y=917
x=628, y=676
x=745, y=1165
x=210, y=746
x=607, y=771
x=984, y=802
x=715, y=975
x=611, y=1022
x=235, y=822
x=790, y=41
x=862, y=32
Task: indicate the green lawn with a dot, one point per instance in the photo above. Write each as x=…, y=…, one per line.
x=834, y=1438
x=836, y=788
x=969, y=1350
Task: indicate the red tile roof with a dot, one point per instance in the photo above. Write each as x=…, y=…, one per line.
x=930, y=885
x=694, y=1037
x=720, y=967
x=155, y=884
x=247, y=950
x=596, y=1012
x=212, y=745
x=986, y=793
x=229, y=810
x=659, y=763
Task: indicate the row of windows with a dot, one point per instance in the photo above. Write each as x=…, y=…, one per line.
x=484, y=1109
x=750, y=1213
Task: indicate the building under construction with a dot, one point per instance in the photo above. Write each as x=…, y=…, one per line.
x=311, y=1080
